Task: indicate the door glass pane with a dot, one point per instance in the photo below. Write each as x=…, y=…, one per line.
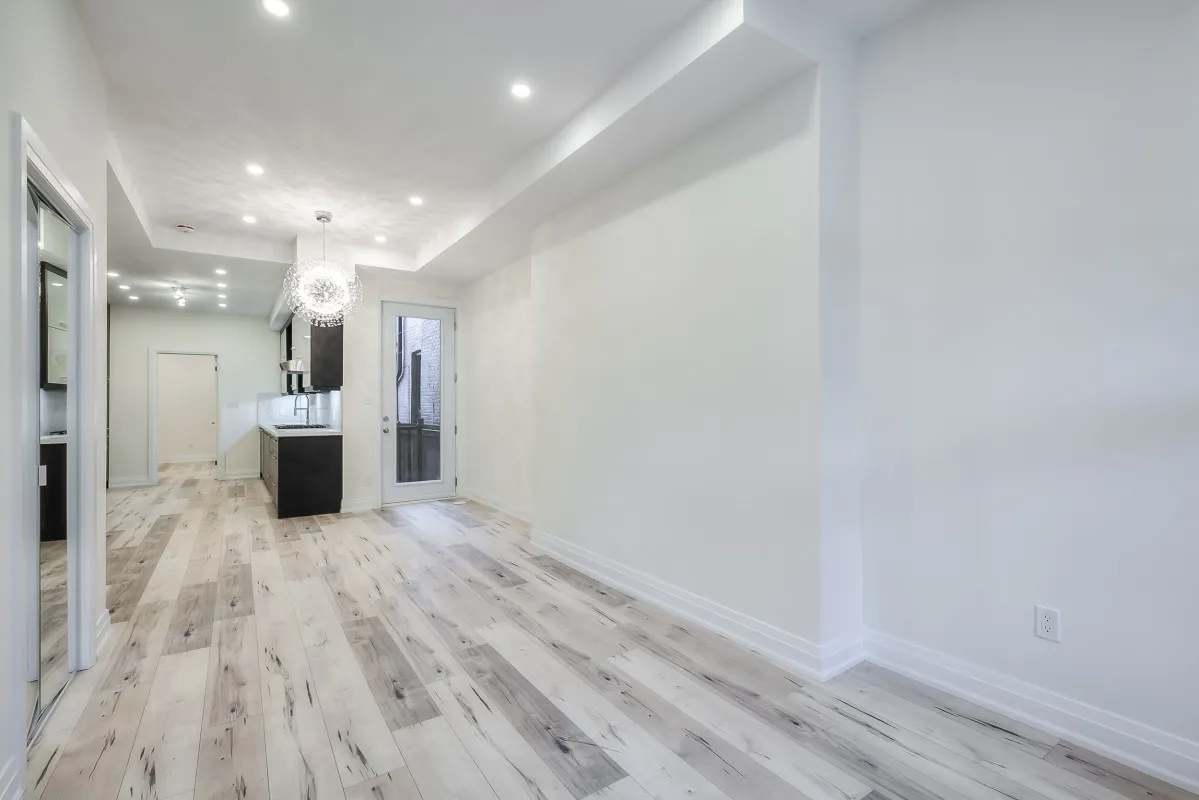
x=418, y=399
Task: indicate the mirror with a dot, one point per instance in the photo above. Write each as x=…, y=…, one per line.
x=50, y=666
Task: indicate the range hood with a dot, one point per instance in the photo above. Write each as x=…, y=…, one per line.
x=295, y=366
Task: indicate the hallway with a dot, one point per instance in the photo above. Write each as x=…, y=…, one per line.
x=425, y=652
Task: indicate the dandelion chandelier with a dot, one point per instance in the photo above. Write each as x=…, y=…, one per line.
x=320, y=290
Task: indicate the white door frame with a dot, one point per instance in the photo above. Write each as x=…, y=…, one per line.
x=32, y=163
x=448, y=485
x=152, y=438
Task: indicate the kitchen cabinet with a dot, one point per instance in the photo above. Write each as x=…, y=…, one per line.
x=54, y=493
x=54, y=339
x=327, y=357
x=287, y=379
x=322, y=352
x=302, y=473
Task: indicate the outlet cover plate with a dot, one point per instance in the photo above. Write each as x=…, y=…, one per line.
x=1048, y=624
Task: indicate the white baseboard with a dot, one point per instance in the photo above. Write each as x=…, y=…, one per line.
x=186, y=460
x=136, y=482
x=240, y=475
x=513, y=511
x=1154, y=751
x=10, y=777
x=353, y=505
x=791, y=652
x=103, y=632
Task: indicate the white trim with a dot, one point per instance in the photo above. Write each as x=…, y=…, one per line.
x=103, y=630
x=137, y=482
x=1154, y=751
x=186, y=460
x=241, y=475
x=10, y=778
x=791, y=652
x=33, y=163
x=352, y=505
x=520, y=515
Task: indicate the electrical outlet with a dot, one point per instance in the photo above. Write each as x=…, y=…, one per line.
x=1048, y=624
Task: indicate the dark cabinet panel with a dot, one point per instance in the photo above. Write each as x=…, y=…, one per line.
x=308, y=479
x=302, y=474
x=327, y=357
x=54, y=493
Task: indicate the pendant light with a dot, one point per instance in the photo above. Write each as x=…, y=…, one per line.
x=321, y=291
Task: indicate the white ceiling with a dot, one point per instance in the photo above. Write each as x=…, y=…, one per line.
x=150, y=273
x=864, y=16
x=353, y=106
x=350, y=106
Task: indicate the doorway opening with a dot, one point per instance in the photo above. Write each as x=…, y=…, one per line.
x=185, y=408
x=52, y=472
x=418, y=403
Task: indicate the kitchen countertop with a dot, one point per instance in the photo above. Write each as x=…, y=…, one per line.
x=60, y=439
x=271, y=430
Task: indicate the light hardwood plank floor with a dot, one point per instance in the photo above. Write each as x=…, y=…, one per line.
x=426, y=652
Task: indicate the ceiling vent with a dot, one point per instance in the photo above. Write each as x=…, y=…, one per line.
x=185, y=228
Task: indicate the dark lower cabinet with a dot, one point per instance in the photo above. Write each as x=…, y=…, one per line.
x=302, y=474
x=54, y=493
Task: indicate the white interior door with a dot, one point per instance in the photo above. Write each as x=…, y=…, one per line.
x=418, y=409
x=187, y=407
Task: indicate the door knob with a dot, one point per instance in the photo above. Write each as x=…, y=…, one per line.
x=387, y=430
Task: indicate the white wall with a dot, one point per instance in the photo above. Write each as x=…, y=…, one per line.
x=497, y=426
x=186, y=407
x=362, y=391
x=64, y=100
x=1030, y=354
x=677, y=369
x=247, y=351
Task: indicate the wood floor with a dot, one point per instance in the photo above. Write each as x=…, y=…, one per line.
x=426, y=652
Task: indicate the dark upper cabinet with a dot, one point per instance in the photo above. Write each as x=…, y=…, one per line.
x=328, y=357
x=321, y=350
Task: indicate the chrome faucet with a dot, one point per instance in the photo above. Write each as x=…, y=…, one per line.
x=295, y=408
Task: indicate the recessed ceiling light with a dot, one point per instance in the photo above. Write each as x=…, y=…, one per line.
x=381, y=239
x=55, y=283
x=134, y=297
x=416, y=201
x=123, y=288
x=219, y=271
x=221, y=286
x=223, y=305
x=276, y=7
x=255, y=169
x=220, y=297
x=249, y=219
x=114, y=274
x=182, y=302
x=521, y=91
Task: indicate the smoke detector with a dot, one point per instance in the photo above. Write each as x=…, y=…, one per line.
x=185, y=228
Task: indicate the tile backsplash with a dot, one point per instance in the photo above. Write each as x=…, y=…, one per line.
x=274, y=409
x=53, y=411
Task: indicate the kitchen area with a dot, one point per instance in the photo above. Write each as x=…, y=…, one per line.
x=300, y=434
